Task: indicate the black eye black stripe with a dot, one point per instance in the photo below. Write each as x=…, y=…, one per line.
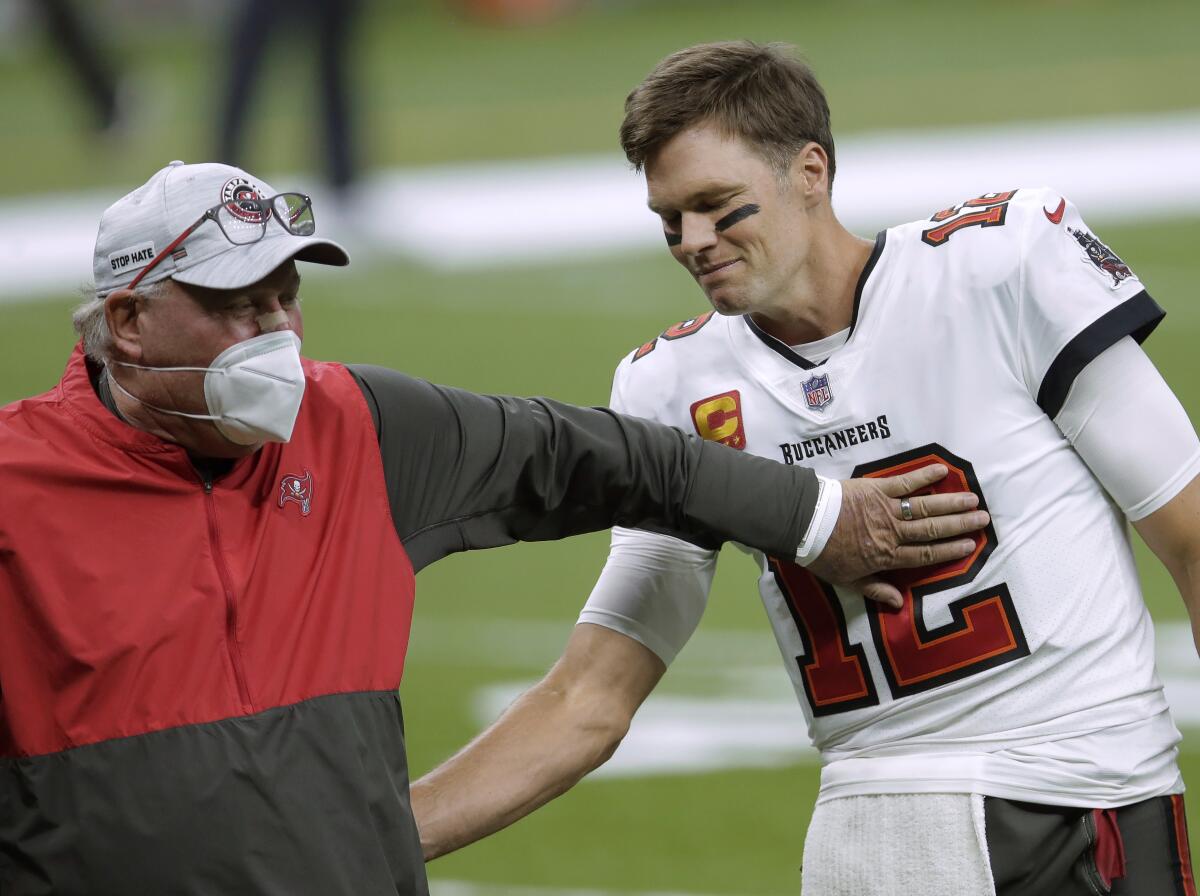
x=738, y=214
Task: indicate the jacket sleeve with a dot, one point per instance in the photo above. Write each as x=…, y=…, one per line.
x=467, y=471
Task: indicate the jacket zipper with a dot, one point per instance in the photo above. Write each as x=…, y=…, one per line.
x=231, y=642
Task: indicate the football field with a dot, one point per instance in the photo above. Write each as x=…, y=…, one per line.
x=712, y=793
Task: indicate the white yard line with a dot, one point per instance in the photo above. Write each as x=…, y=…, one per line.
x=742, y=714
x=545, y=210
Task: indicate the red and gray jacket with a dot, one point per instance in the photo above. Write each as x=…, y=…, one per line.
x=198, y=673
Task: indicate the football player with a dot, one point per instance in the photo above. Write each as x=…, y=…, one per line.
x=1004, y=730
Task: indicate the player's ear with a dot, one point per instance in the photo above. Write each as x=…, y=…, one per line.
x=810, y=173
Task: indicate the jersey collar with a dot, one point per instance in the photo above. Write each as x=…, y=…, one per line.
x=786, y=351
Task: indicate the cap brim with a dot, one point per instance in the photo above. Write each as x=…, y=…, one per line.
x=243, y=266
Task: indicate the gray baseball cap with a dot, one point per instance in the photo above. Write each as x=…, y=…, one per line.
x=141, y=224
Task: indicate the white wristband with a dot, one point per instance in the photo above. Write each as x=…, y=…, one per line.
x=825, y=516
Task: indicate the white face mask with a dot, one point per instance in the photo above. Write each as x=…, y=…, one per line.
x=253, y=389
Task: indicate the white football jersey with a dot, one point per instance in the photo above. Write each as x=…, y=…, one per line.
x=1025, y=671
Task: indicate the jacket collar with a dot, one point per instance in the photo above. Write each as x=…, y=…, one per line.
x=81, y=401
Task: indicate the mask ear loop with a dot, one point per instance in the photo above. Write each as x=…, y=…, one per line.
x=115, y=382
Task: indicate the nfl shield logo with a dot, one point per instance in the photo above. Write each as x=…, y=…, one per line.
x=816, y=392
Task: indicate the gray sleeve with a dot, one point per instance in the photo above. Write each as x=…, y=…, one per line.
x=467, y=471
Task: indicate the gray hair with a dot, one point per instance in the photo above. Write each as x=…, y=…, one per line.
x=92, y=325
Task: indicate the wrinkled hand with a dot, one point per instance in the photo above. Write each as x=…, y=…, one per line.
x=871, y=535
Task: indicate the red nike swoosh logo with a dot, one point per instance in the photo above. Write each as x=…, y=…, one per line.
x=1055, y=217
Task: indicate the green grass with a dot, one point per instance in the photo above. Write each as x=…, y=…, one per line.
x=434, y=89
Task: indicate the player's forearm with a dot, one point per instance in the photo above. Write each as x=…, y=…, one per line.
x=1187, y=580
x=1173, y=533
x=1185, y=571
x=542, y=745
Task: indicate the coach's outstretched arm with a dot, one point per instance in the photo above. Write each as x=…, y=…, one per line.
x=491, y=470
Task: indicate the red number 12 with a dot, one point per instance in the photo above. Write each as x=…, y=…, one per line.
x=983, y=632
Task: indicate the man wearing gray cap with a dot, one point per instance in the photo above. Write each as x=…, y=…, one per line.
x=206, y=593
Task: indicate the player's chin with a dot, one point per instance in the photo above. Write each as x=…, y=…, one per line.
x=726, y=301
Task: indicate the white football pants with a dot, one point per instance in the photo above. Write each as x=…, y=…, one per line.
x=930, y=844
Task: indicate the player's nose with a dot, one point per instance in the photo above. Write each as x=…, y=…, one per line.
x=698, y=234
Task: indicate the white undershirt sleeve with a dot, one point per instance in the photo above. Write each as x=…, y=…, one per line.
x=653, y=588
x=825, y=516
x=1130, y=429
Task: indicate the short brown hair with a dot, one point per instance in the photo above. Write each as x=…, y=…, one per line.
x=761, y=93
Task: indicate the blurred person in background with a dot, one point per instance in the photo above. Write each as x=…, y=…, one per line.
x=1002, y=730
x=208, y=552
x=310, y=37
x=79, y=48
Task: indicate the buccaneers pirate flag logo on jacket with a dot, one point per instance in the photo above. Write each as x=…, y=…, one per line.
x=298, y=490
